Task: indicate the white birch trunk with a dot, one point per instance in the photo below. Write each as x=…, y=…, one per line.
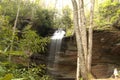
x=75, y=8
x=90, y=37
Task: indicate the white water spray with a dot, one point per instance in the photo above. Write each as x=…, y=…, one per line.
x=55, y=47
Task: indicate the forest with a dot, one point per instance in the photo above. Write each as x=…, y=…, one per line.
x=26, y=28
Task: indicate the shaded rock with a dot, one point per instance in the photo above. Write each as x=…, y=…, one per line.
x=106, y=56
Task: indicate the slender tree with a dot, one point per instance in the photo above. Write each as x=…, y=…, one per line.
x=75, y=8
x=83, y=36
x=90, y=34
x=82, y=22
x=84, y=43
x=14, y=30
x=81, y=70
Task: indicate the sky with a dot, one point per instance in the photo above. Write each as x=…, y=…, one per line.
x=57, y=3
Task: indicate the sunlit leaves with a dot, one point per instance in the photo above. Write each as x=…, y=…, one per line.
x=5, y=37
x=32, y=42
x=8, y=77
x=108, y=13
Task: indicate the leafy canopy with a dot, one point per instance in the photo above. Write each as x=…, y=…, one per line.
x=108, y=12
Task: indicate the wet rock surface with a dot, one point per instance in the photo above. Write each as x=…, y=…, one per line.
x=106, y=56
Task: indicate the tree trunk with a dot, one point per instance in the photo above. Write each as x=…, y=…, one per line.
x=75, y=8
x=90, y=37
x=83, y=32
x=84, y=56
x=81, y=67
x=82, y=22
x=14, y=30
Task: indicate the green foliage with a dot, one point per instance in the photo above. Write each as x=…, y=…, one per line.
x=110, y=10
x=64, y=21
x=2, y=71
x=26, y=38
x=66, y=18
x=67, y=21
x=81, y=78
x=7, y=77
x=6, y=40
x=3, y=21
x=46, y=77
x=14, y=72
x=5, y=36
x=44, y=17
x=32, y=42
x=10, y=9
x=43, y=21
x=30, y=13
x=108, y=13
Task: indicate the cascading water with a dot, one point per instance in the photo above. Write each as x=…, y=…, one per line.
x=55, y=47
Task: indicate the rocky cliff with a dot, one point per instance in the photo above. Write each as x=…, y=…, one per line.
x=106, y=56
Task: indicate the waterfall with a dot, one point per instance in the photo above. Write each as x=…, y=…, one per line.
x=55, y=47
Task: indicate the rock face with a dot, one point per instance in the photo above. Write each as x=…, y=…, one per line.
x=106, y=56
x=65, y=66
x=106, y=53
